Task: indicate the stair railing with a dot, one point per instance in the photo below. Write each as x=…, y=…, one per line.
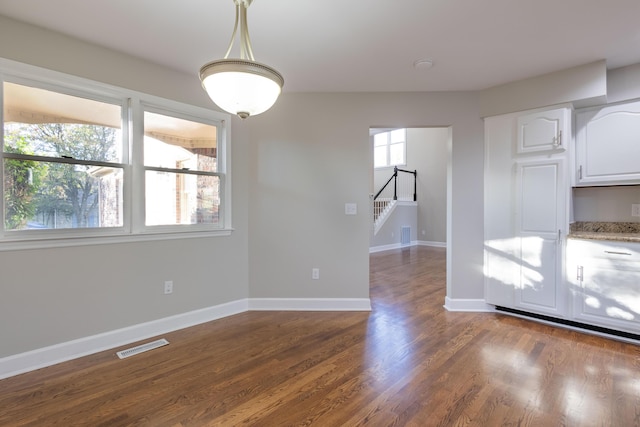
x=394, y=178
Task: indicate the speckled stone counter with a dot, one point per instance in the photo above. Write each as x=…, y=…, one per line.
x=614, y=231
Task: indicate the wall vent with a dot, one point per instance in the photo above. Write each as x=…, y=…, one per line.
x=141, y=348
x=405, y=236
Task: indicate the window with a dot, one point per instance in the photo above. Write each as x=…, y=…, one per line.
x=182, y=183
x=389, y=148
x=87, y=162
x=62, y=160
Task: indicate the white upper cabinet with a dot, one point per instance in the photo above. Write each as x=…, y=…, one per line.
x=608, y=145
x=543, y=131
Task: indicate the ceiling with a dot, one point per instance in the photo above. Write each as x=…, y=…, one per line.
x=360, y=45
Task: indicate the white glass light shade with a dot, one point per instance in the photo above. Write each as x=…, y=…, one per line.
x=241, y=87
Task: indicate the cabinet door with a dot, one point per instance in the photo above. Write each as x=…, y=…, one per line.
x=543, y=131
x=540, y=213
x=606, y=284
x=609, y=296
x=608, y=145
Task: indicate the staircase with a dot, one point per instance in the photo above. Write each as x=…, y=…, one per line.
x=382, y=208
x=385, y=201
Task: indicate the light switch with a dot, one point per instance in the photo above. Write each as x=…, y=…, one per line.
x=350, y=208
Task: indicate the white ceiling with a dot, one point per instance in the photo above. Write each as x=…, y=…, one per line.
x=360, y=45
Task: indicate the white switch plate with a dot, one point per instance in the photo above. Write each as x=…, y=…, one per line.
x=168, y=287
x=635, y=210
x=315, y=273
x=350, y=208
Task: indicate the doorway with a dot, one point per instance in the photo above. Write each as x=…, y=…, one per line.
x=426, y=151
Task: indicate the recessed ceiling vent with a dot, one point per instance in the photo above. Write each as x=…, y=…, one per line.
x=142, y=348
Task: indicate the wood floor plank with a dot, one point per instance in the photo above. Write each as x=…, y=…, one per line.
x=408, y=362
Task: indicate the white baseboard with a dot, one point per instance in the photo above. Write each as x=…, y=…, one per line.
x=58, y=353
x=310, y=304
x=432, y=244
x=382, y=248
x=478, y=305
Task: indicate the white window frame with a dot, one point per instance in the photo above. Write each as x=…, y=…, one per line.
x=388, y=148
x=133, y=106
x=191, y=115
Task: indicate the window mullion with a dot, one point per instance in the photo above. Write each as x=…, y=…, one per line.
x=136, y=184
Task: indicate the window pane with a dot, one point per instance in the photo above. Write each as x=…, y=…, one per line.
x=397, y=135
x=380, y=157
x=380, y=139
x=396, y=152
x=176, y=198
x=46, y=123
x=174, y=143
x=56, y=195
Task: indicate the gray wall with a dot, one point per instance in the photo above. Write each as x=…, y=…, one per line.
x=50, y=296
x=389, y=236
x=429, y=154
x=610, y=204
x=310, y=155
x=294, y=167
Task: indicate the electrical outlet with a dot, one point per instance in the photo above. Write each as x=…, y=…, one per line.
x=315, y=273
x=168, y=287
x=635, y=210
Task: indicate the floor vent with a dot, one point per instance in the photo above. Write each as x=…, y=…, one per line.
x=405, y=236
x=141, y=348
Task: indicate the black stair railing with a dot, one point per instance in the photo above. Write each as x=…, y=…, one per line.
x=394, y=178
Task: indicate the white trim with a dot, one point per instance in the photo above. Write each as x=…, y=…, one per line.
x=432, y=244
x=382, y=248
x=476, y=305
x=310, y=304
x=102, y=240
x=58, y=353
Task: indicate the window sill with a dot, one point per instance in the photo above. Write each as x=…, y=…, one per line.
x=18, y=245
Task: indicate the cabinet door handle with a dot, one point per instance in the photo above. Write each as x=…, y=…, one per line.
x=617, y=253
x=580, y=172
x=558, y=141
x=580, y=275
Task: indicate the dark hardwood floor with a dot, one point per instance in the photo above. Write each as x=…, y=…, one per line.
x=407, y=363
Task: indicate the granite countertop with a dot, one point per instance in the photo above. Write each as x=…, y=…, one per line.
x=614, y=231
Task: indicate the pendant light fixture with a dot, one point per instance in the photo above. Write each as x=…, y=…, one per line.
x=241, y=86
